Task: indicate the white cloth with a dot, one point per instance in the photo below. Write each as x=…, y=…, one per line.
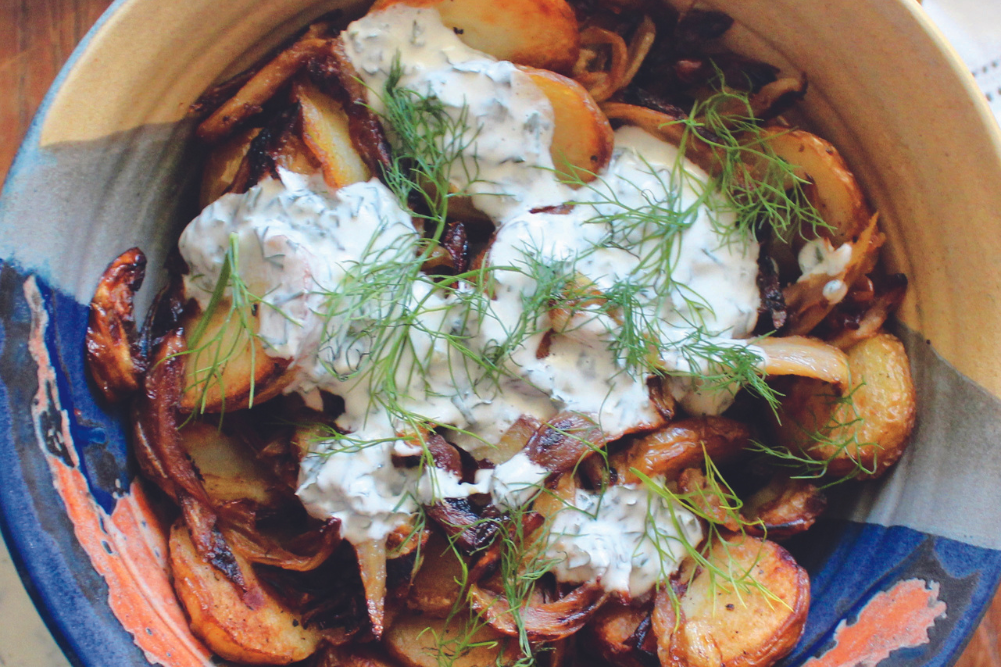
x=974, y=29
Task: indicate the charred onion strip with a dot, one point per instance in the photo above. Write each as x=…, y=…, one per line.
x=805, y=300
x=334, y=74
x=639, y=48
x=544, y=622
x=783, y=508
x=209, y=541
x=372, y=564
x=114, y=358
x=670, y=450
x=564, y=441
x=805, y=357
x=669, y=128
x=258, y=548
x=602, y=85
x=266, y=151
x=259, y=89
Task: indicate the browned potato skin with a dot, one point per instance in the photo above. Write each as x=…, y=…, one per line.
x=228, y=468
x=252, y=628
x=326, y=131
x=583, y=138
x=113, y=358
x=250, y=374
x=834, y=191
x=222, y=164
x=611, y=628
x=679, y=445
x=536, y=33
x=437, y=585
x=413, y=641
x=727, y=629
x=886, y=403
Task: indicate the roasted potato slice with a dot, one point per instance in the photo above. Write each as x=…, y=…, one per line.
x=723, y=625
x=865, y=430
x=537, y=33
x=438, y=583
x=833, y=190
x=251, y=627
x=228, y=468
x=417, y=641
x=326, y=131
x=583, y=137
x=229, y=368
x=222, y=164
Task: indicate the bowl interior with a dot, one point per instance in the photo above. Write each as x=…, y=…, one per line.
x=108, y=166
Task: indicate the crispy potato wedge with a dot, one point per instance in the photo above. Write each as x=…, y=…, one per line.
x=610, y=630
x=251, y=627
x=870, y=431
x=833, y=191
x=537, y=33
x=437, y=585
x=415, y=640
x=114, y=357
x=247, y=374
x=222, y=164
x=583, y=137
x=326, y=131
x=680, y=445
x=228, y=468
x=720, y=626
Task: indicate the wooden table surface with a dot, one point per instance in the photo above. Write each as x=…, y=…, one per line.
x=36, y=38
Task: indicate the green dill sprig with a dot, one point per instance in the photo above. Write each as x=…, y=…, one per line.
x=836, y=439
x=760, y=187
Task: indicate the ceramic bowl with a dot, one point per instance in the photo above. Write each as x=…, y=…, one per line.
x=901, y=569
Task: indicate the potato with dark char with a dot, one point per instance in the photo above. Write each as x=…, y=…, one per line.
x=114, y=359
x=751, y=624
x=227, y=466
x=537, y=33
x=252, y=627
x=864, y=431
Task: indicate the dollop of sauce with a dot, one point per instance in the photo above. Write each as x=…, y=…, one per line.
x=628, y=538
x=819, y=257
x=650, y=221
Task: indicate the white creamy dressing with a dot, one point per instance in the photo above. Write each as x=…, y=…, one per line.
x=819, y=257
x=627, y=538
x=298, y=242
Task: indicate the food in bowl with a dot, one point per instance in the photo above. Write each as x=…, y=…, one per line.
x=484, y=351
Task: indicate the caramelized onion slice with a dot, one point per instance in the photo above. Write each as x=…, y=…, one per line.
x=669, y=128
x=372, y=563
x=805, y=357
x=542, y=622
x=260, y=88
x=563, y=441
x=783, y=508
x=258, y=548
x=680, y=445
x=114, y=358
